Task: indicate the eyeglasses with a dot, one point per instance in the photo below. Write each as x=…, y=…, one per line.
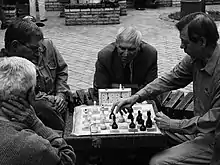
x=34, y=48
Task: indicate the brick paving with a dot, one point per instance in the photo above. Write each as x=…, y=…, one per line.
x=79, y=44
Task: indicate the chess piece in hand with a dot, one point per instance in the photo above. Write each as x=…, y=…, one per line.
x=125, y=103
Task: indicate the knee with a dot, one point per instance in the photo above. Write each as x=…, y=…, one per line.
x=157, y=160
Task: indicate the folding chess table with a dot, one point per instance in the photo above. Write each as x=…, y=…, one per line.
x=131, y=140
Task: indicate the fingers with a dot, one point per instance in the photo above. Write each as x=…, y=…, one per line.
x=159, y=114
x=113, y=106
x=8, y=113
x=12, y=106
x=62, y=108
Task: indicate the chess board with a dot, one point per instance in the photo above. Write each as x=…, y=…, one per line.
x=86, y=118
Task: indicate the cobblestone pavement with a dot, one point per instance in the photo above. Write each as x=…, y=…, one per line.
x=79, y=44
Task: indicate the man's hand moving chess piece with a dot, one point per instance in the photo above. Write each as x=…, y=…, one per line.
x=199, y=39
x=125, y=104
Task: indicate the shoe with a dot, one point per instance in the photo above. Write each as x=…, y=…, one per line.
x=140, y=8
x=43, y=20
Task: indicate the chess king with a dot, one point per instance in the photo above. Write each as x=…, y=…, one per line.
x=129, y=61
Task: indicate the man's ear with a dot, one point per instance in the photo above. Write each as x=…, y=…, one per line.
x=203, y=41
x=14, y=45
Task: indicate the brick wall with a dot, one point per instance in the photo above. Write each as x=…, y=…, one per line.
x=165, y=2
x=91, y=15
x=176, y=2
x=53, y=5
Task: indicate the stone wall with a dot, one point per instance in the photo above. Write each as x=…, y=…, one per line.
x=98, y=14
x=53, y=5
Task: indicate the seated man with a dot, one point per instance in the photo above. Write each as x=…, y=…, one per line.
x=24, y=38
x=128, y=61
x=25, y=140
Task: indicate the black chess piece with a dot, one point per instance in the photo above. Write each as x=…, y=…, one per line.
x=142, y=127
x=114, y=124
x=111, y=115
x=130, y=111
x=149, y=121
x=132, y=125
x=139, y=117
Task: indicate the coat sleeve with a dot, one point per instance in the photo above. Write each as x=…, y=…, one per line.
x=47, y=147
x=180, y=76
x=101, y=76
x=61, y=72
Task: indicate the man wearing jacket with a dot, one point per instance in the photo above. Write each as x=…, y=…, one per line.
x=25, y=140
x=25, y=39
x=128, y=61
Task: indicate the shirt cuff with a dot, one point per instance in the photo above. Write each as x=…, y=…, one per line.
x=174, y=124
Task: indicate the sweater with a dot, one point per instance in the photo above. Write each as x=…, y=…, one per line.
x=22, y=146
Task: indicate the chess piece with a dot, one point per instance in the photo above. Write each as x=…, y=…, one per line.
x=95, y=108
x=142, y=127
x=111, y=115
x=114, y=124
x=130, y=111
x=132, y=125
x=94, y=127
x=139, y=117
x=149, y=121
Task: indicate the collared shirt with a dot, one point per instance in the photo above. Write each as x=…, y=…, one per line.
x=206, y=90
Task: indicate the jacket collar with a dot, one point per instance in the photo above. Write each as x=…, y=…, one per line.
x=212, y=62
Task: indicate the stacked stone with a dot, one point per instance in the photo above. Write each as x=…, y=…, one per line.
x=176, y=3
x=167, y=3
x=123, y=7
x=53, y=5
x=10, y=14
x=92, y=15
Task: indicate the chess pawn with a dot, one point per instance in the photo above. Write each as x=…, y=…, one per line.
x=142, y=127
x=114, y=124
x=102, y=115
x=95, y=108
x=132, y=125
x=139, y=117
x=149, y=121
x=94, y=127
x=103, y=126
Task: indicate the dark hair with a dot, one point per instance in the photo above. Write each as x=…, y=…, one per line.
x=200, y=25
x=23, y=31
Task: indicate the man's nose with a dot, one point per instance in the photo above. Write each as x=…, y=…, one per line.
x=125, y=54
x=182, y=46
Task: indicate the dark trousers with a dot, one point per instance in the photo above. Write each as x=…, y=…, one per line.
x=47, y=113
x=139, y=4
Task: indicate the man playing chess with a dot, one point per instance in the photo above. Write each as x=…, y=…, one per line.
x=196, y=138
x=128, y=61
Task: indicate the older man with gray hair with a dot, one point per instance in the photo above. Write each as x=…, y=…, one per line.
x=128, y=61
x=24, y=138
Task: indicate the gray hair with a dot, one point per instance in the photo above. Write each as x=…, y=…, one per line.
x=129, y=34
x=17, y=76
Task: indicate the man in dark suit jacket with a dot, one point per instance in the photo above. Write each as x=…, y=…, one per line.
x=128, y=61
